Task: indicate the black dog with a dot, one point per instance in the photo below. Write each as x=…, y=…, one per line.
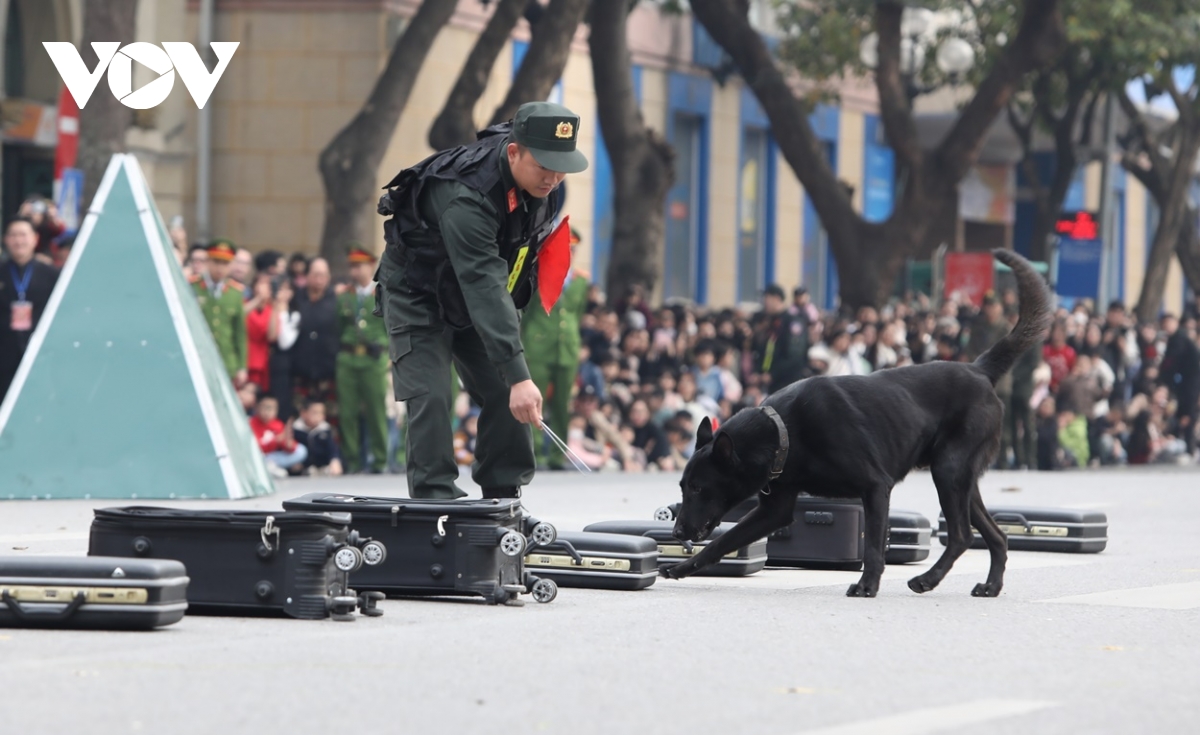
x=856, y=437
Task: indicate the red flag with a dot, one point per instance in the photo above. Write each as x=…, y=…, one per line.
x=554, y=260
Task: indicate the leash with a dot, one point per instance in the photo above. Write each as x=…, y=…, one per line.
x=575, y=460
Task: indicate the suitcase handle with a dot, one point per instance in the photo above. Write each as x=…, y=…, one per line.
x=37, y=617
x=1007, y=517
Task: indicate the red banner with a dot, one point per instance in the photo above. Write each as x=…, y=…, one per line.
x=969, y=276
x=68, y=133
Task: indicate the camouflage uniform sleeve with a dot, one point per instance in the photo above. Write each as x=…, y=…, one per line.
x=468, y=225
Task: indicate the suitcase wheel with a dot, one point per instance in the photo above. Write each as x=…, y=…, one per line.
x=374, y=553
x=543, y=534
x=367, y=603
x=348, y=559
x=544, y=590
x=342, y=608
x=664, y=514
x=512, y=544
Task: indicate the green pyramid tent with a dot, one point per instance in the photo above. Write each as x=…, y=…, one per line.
x=122, y=393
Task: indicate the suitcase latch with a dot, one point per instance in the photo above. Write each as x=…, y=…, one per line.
x=442, y=528
x=267, y=530
x=395, y=515
x=819, y=518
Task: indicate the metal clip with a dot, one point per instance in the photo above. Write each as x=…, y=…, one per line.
x=441, y=528
x=395, y=515
x=267, y=530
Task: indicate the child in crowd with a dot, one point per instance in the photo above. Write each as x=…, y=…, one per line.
x=314, y=433
x=278, y=445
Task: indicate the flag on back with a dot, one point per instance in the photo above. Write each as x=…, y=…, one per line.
x=554, y=260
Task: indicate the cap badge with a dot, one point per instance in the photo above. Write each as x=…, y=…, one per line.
x=564, y=130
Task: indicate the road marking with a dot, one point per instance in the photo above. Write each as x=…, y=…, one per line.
x=1183, y=596
x=937, y=719
x=30, y=537
x=975, y=562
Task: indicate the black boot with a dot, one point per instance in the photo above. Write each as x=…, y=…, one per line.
x=501, y=492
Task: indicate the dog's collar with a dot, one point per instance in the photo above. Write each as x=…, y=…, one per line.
x=782, y=452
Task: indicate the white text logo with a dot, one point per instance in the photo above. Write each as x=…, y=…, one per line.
x=178, y=56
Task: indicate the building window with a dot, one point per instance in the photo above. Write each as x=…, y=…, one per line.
x=754, y=192
x=684, y=209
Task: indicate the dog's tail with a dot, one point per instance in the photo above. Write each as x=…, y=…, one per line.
x=1033, y=319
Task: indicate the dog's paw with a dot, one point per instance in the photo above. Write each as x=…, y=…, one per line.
x=986, y=589
x=861, y=590
x=671, y=571
x=920, y=585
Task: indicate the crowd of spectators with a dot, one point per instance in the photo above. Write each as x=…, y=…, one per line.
x=1103, y=390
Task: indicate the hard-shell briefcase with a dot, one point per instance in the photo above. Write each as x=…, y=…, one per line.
x=91, y=592
x=607, y=561
x=738, y=563
x=248, y=561
x=445, y=547
x=827, y=533
x=1045, y=529
x=909, y=535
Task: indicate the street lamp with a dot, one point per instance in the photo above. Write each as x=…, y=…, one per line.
x=918, y=29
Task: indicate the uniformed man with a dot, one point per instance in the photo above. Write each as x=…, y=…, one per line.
x=552, y=345
x=220, y=300
x=990, y=327
x=464, y=230
x=362, y=367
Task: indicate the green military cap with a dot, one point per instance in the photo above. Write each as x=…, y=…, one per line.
x=550, y=132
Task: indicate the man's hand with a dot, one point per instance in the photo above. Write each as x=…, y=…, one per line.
x=525, y=402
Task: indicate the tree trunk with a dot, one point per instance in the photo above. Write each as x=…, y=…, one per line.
x=1173, y=208
x=456, y=123
x=869, y=256
x=350, y=162
x=545, y=58
x=103, y=123
x=642, y=161
x=1187, y=249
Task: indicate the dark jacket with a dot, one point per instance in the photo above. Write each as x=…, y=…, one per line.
x=13, y=343
x=314, y=356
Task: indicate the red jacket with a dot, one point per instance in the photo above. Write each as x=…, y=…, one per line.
x=270, y=436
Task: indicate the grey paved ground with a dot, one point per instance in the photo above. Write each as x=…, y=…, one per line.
x=779, y=653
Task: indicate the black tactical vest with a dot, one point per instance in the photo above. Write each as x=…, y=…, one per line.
x=415, y=247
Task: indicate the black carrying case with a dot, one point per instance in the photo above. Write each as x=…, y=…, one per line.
x=739, y=563
x=444, y=547
x=1045, y=529
x=91, y=592
x=607, y=561
x=827, y=533
x=909, y=537
x=248, y=561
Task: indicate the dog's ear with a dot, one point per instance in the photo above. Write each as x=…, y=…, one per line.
x=723, y=451
x=704, y=433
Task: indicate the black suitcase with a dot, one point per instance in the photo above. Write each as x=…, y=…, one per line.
x=909, y=536
x=445, y=547
x=606, y=561
x=247, y=561
x=740, y=563
x=1045, y=529
x=827, y=533
x=91, y=592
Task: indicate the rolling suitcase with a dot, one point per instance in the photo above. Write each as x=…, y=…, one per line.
x=445, y=547
x=91, y=592
x=1045, y=529
x=827, y=533
x=739, y=563
x=249, y=561
x=909, y=535
x=606, y=561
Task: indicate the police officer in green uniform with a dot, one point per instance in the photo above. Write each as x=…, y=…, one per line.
x=463, y=231
x=552, y=345
x=220, y=300
x=362, y=367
